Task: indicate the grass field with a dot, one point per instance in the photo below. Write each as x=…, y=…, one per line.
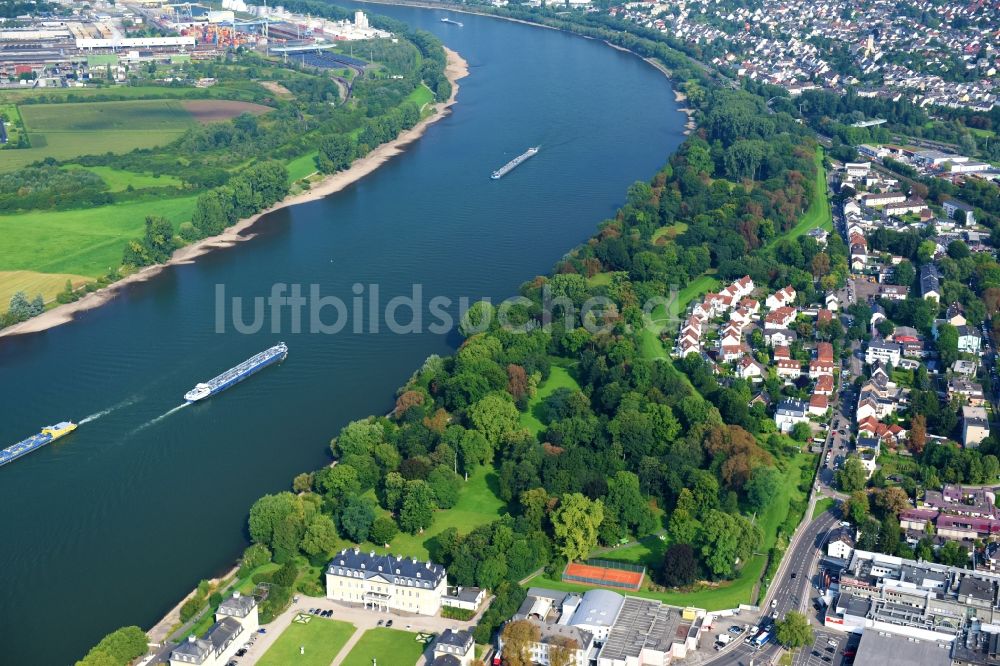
x=422, y=97
x=32, y=283
x=599, y=280
x=823, y=505
x=818, y=214
x=982, y=132
x=13, y=126
x=478, y=504
x=559, y=377
x=649, y=551
x=91, y=128
x=668, y=232
x=321, y=638
x=387, y=646
x=79, y=242
x=301, y=167
x=119, y=181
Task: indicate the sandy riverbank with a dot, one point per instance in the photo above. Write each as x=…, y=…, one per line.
x=456, y=68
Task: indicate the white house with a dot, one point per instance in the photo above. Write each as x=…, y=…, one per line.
x=789, y=413
x=841, y=544
x=454, y=648
x=969, y=340
x=781, y=298
x=236, y=621
x=880, y=350
x=749, y=369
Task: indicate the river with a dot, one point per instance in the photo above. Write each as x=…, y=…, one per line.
x=111, y=525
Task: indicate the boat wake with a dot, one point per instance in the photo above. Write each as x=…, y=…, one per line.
x=160, y=417
x=105, y=412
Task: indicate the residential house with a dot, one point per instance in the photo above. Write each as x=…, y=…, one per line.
x=784, y=297
x=790, y=412
x=818, y=404
x=832, y=302
x=965, y=368
x=883, y=199
x=893, y=292
x=841, y=543
x=824, y=385
x=749, y=369
x=454, y=648
x=466, y=598
x=781, y=317
x=236, y=620
x=824, y=351
x=788, y=369
x=782, y=353
x=819, y=368
x=930, y=282
x=779, y=337
x=880, y=350
x=966, y=391
x=975, y=425
x=969, y=340
x=952, y=208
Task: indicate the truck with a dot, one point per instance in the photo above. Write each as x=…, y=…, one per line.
x=762, y=638
x=723, y=638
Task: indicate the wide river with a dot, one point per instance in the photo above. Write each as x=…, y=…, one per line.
x=111, y=525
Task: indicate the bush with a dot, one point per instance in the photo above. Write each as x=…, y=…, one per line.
x=192, y=607
x=460, y=614
x=121, y=646
x=286, y=575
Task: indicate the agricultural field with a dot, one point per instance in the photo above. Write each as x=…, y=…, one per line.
x=90, y=128
x=85, y=242
x=217, y=110
x=386, y=646
x=321, y=639
x=12, y=124
x=32, y=283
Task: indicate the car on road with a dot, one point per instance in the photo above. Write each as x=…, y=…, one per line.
x=794, y=575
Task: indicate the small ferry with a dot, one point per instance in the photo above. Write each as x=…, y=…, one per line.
x=514, y=163
x=35, y=442
x=452, y=22
x=232, y=376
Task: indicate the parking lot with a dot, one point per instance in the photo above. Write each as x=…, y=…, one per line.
x=821, y=653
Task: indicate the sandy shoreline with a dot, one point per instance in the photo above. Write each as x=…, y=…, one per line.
x=456, y=68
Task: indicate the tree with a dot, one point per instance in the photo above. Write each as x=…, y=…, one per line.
x=494, y=415
x=891, y=501
x=763, y=486
x=801, y=432
x=383, y=530
x=856, y=508
x=625, y=501
x=121, y=646
x=302, y=483
x=517, y=637
x=918, y=433
x=852, y=476
x=254, y=556
x=680, y=567
x=726, y=541
x=417, y=512
x=953, y=554
x=947, y=344
x=575, y=523
x=793, y=631
x=446, y=485
x=20, y=308
x=562, y=651
x=356, y=519
x=267, y=512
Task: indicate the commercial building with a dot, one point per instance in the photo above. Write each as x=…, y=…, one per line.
x=975, y=425
x=386, y=582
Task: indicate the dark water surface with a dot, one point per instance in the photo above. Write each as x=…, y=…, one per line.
x=111, y=525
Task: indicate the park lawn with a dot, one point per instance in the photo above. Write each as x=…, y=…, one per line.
x=668, y=232
x=559, y=377
x=818, y=214
x=80, y=242
x=649, y=552
x=322, y=639
x=386, y=646
x=477, y=505
x=422, y=97
x=32, y=284
x=599, y=280
x=823, y=505
x=119, y=180
x=978, y=131
x=301, y=167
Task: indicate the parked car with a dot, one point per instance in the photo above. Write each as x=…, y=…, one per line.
x=381, y=622
x=388, y=623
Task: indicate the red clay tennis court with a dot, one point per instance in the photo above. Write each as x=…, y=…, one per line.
x=605, y=573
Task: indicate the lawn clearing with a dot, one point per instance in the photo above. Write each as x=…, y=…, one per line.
x=559, y=377
x=79, y=242
x=322, y=639
x=216, y=110
x=301, y=167
x=477, y=505
x=599, y=280
x=386, y=646
x=423, y=97
x=669, y=232
x=119, y=180
x=31, y=283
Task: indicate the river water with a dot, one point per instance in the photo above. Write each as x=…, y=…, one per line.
x=112, y=524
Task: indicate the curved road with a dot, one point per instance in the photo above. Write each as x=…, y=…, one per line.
x=791, y=589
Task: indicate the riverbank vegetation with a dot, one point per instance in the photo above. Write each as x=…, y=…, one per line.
x=595, y=436
x=96, y=163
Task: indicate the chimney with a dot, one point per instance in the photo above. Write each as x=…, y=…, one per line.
x=236, y=594
x=192, y=638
